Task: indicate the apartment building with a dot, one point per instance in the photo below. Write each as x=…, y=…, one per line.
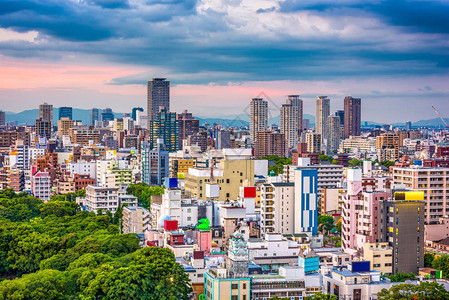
x=434, y=182
x=41, y=185
x=136, y=219
x=380, y=256
x=277, y=206
x=100, y=198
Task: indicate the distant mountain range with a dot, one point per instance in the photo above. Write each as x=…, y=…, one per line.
x=233, y=120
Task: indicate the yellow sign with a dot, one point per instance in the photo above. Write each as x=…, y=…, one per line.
x=409, y=196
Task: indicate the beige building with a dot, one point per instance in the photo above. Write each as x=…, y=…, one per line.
x=380, y=256
x=435, y=184
x=230, y=176
x=363, y=144
x=64, y=126
x=389, y=141
x=135, y=219
x=277, y=207
x=331, y=200
x=313, y=141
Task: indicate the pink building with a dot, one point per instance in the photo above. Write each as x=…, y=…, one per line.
x=41, y=185
x=359, y=214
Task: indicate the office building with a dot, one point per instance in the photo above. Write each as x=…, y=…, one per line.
x=158, y=97
x=46, y=113
x=64, y=125
x=434, y=182
x=352, y=116
x=289, y=124
x=134, y=113
x=341, y=115
x=65, y=112
x=155, y=163
x=402, y=226
x=258, y=117
x=380, y=256
x=165, y=126
x=270, y=143
x=322, y=112
x=334, y=140
x=107, y=115
x=43, y=128
x=294, y=100
x=2, y=118
x=94, y=116
x=188, y=126
x=306, y=201
x=223, y=139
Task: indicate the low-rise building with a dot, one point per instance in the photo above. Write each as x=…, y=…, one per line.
x=380, y=256
x=136, y=219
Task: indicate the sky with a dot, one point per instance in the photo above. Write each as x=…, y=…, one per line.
x=218, y=54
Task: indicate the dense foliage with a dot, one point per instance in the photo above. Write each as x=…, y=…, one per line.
x=279, y=162
x=54, y=251
x=423, y=291
x=428, y=260
x=401, y=277
x=442, y=263
x=326, y=222
x=321, y=296
x=143, y=192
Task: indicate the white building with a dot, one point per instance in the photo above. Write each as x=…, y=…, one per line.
x=83, y=168
x=41, y=185
x=277, y=205
x=100, y=198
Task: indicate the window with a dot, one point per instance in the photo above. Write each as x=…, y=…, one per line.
x=235, y=286
x=227, y=180
x=189, y=218
x=235, y=297
x=244, y=286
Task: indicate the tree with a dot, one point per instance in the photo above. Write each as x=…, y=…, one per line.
x=442, y=263
x=323, y=157
x=355, y=163
x=428, y=260
x=387, y=163
x=326, y=222
x=401, y=277
x=279, y=162
x=143, y=192
x=338, y=225
x=423, y=291
x=321, y=296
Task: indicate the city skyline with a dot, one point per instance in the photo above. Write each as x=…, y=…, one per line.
x=394, y=62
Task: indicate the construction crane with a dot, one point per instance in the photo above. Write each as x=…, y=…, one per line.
x=436, y=111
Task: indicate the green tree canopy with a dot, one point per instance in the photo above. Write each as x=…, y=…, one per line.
x=423, y=291
x=143, y=192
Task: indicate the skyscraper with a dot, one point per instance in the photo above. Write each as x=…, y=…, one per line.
x=258, y=116
x=322, y=109
x=341, y=115
x=188, y=126
x=155, y=164
x=289, y=123
x=65, y=112
x=353, y=117
x=134, y=112
x=94, y=116
x=296, y=101
x=334, y=138
x=107, y=115
x=46, y=112
x=165, y=126
x=158, y=96
x=2, y=118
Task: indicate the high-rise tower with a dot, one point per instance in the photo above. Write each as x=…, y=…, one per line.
x=158, y=96
x=294, y=100
x=322, y=113
x=46, y=112
x=353, y=117
x=258, y=116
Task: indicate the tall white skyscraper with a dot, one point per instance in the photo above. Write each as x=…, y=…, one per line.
x=296, y=101
x=289, y=124
x=322, y=109
x=258, y=117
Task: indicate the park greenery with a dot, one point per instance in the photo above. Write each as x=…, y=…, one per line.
x=279, y=162
x=401, y=277
x=441, y=263
x=55, y=251
x=423, y=291
x=143, y=192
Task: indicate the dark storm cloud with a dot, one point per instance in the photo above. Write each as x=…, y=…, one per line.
x=403, y=38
